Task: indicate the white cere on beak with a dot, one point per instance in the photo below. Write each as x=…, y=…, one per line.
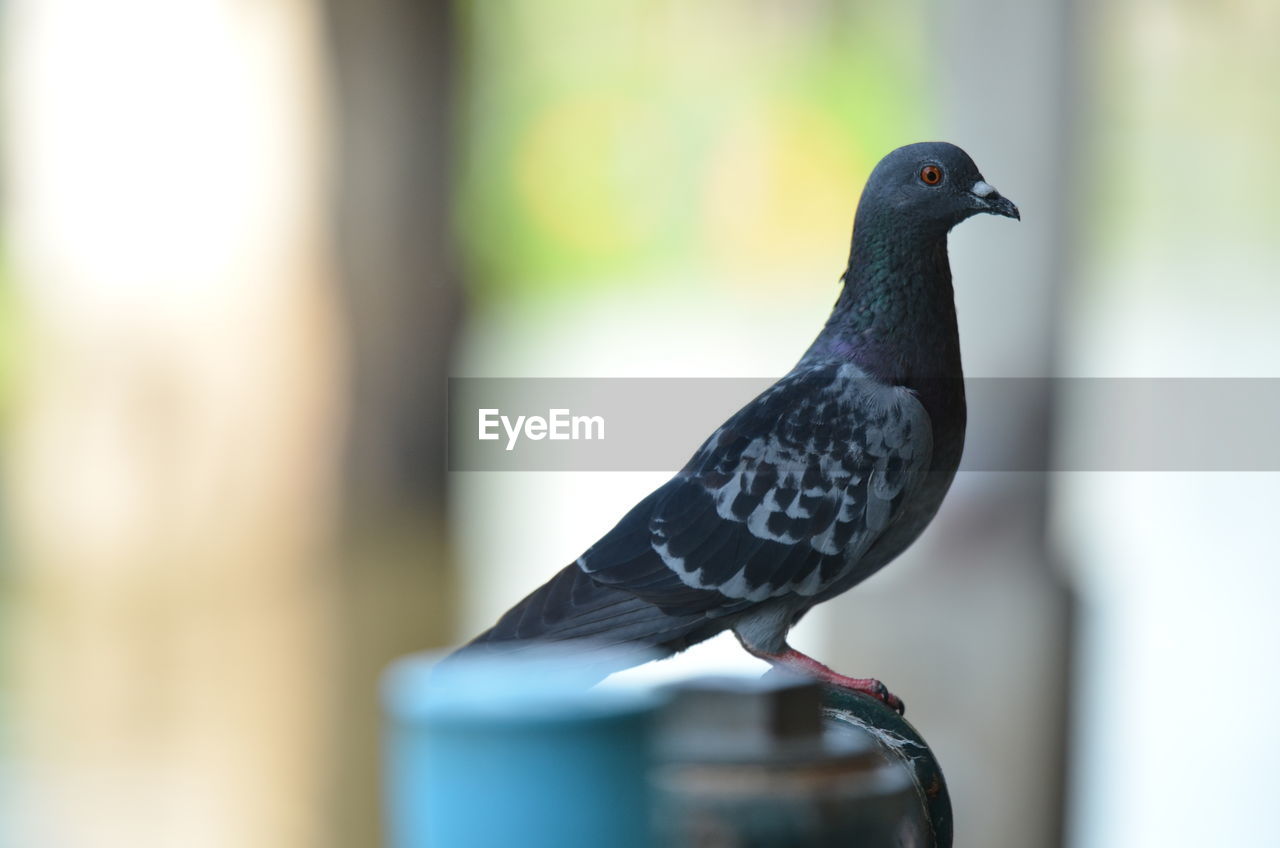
x=982, y=189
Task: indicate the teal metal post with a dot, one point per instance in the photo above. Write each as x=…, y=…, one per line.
x=502, y=752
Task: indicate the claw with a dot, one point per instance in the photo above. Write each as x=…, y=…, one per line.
x=882, y=692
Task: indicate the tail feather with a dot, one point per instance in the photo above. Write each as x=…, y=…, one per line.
x=573, y=606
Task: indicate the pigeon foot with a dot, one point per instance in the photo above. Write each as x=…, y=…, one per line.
x=791, y=659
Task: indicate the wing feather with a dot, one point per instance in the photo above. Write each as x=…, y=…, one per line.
x=783, y=499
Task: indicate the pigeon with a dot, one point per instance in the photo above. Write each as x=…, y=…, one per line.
x=818, y=482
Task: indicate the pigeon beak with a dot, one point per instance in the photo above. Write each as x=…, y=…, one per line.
x=990, y=200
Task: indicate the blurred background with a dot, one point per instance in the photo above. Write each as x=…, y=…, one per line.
x=243, y=246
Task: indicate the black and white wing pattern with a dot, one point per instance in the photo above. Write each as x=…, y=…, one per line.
x=783, y=499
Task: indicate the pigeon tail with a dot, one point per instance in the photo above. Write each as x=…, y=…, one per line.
x=572, y=607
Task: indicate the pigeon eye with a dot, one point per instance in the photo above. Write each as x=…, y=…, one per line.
x=931, y=175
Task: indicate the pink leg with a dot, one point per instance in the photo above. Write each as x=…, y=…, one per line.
x=792, y=659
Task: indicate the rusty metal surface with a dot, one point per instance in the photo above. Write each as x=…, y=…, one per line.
x=899, y=741
x=758, y=764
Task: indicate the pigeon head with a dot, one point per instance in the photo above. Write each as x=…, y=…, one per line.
x=895, y=317
x=931, y=187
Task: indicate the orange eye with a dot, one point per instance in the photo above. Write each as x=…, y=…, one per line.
x=931, y=175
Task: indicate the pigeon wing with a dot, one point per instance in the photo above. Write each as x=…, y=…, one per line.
x=783, y=499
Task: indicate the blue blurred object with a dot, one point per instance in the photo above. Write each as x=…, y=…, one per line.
x=515, y=750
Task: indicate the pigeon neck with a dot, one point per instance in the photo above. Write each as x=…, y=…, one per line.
x=895, y=317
